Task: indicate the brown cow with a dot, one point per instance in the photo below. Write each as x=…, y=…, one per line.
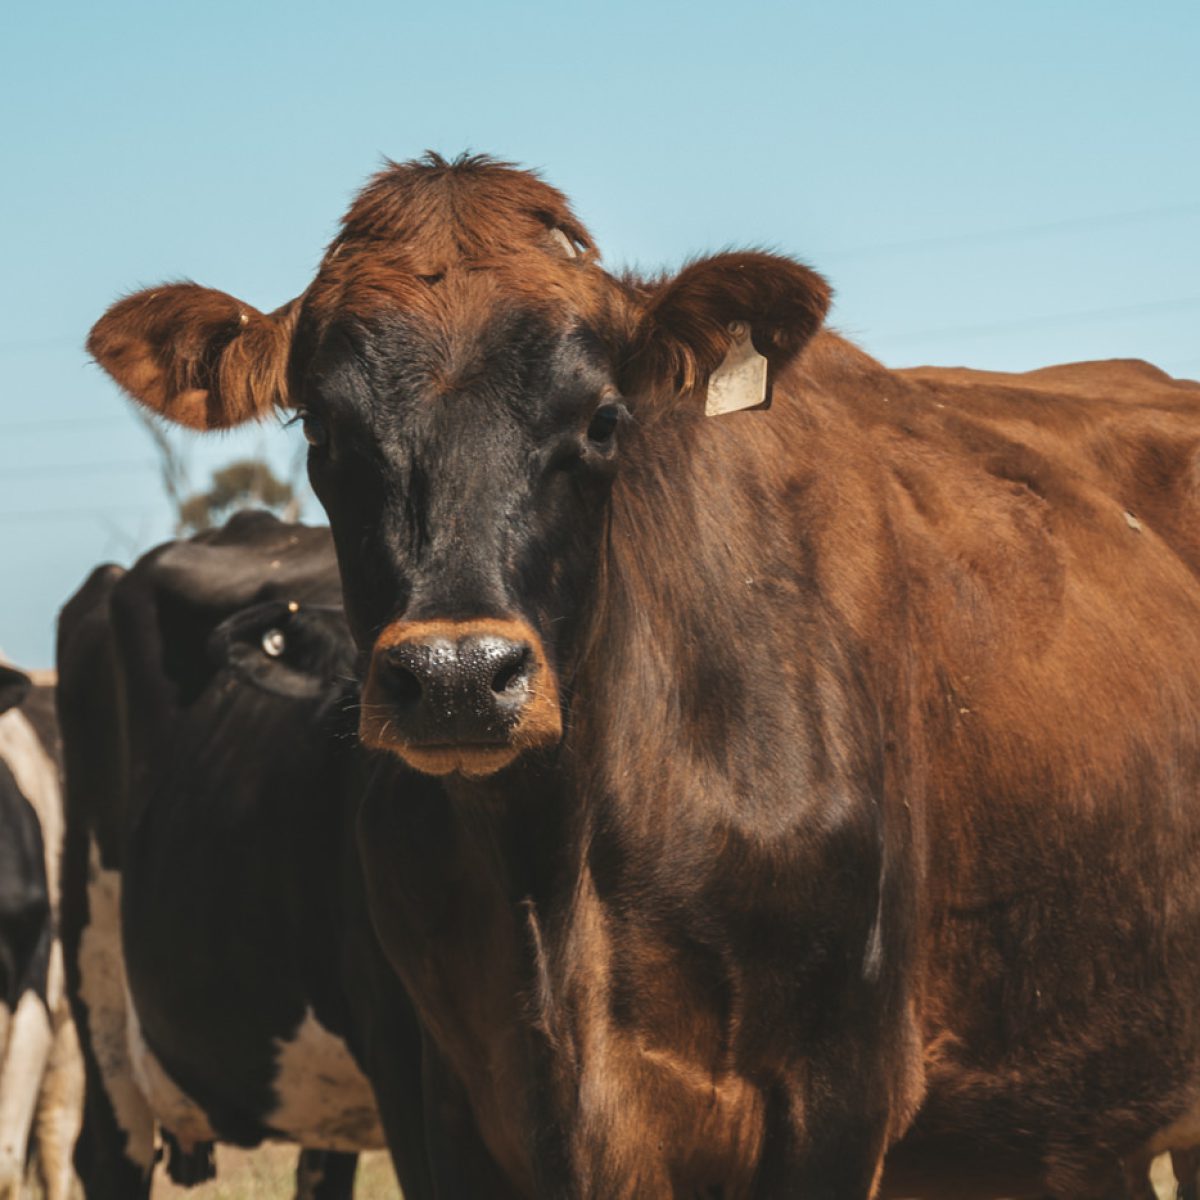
x=798, y=784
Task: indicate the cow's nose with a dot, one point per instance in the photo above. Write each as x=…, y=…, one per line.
x=464, y=696
x=454, y=691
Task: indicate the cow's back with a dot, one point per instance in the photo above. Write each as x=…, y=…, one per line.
x=1049, y=528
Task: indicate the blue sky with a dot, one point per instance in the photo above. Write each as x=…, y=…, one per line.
x=1002, y=186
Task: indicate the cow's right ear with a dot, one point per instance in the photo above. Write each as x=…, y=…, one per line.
x=14, y=687
x=196, y=356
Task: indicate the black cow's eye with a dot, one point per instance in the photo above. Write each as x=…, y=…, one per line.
x=274, y=643
x=604, y=423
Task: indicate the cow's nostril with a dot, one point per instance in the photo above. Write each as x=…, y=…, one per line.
x=464, y=686
x=402, y=685
x=513, y=674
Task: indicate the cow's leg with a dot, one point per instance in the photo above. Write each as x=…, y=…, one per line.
x=325, y=1175
x=115, y=1154
x=29, y=1040
x=189, y=1167
x=461, y=1164
x=843, y=1162
x=5, y=1026
x=60, y=1110
x=1071, y=1173
x=1186, y=1165
x=1137, y=1180
x=392, y=1057
x=821, y=1174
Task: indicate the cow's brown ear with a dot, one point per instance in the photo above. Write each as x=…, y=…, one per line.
x=692, y=321
x=197, y=356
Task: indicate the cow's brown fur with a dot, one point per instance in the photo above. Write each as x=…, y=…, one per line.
x=925, y=639
x=198, y=356
x=471, y=212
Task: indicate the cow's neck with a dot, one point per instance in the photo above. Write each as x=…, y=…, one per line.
x=703, y=747
x=727, y=766
x=452, y=867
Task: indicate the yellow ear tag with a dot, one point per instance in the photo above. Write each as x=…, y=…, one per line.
x=741, y=380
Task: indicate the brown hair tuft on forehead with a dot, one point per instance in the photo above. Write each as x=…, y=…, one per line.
x=472, y=209
x=435, y=238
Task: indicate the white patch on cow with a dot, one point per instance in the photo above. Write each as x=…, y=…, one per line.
x=24, y=1064
x=103, y=989
x=60, y=1113
x=324, y=1100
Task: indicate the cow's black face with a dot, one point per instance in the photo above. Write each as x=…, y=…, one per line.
x=465, y=426
x=465, y=474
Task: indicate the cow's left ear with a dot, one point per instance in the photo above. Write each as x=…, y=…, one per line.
x=719, y=308
x=196, y=356
x=14, y=687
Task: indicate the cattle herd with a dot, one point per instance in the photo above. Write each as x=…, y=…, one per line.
x=696, y=761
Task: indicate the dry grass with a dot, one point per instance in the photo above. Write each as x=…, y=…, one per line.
x=269, y=1173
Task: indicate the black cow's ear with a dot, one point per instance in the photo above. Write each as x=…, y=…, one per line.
x=14, y=687
x=721, y=312
x=196, y=356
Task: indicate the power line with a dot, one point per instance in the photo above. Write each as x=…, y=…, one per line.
x=52, y=469
x=1072, y=318
x=48, y=423
x=993, y=236
x=57, y=514
x=16, y=345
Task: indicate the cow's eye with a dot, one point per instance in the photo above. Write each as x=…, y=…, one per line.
x=274, y=643
x=604, y=424
x=315, y=432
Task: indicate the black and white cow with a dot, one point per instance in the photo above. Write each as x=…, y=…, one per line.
x=41, y=1082
x=226, y=979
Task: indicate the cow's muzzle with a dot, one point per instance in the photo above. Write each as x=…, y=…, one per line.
x=465, y=696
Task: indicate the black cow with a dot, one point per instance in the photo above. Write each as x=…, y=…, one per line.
x=225, y=976
x=40, y=1071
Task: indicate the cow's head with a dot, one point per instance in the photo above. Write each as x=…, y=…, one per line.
x=469, y=380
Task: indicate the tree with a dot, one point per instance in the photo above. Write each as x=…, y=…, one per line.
x=244, y=483
x=247, y=483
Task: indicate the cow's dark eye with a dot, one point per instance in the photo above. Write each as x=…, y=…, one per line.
x=315, y=432
x=604, y=424
x=274, y=643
